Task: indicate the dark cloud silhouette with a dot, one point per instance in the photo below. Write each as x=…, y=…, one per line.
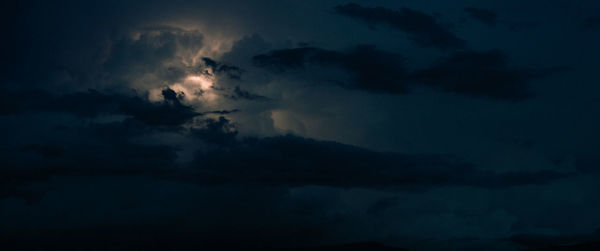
x=170, y=95
x=170, y=112
x=239, y=93
x=92, y=150
x=422, y=29
x=222, y=112
x=374, y=70
x=282, y=161
x=101, y=145
x=158, y=114
x=485, y=73
x=217, y=131
x=485, y=16
x=278, y=162
x=472, y=73
x=295, y=161
x=231, y=71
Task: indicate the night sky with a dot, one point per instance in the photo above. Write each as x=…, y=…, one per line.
x=305, y=124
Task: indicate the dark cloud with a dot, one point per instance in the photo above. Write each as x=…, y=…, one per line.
x=485, y=16
x=283, y=161
x=170, y=112
x=296, y=161
x=97, y=146
x=231, y=71
x=91, y=150
x=222, y=112
x=471, y=73
x=423, y=29
x=485, y=73
x=374, y=70
x=239, y=93
x=217, y=131
x=172, y=96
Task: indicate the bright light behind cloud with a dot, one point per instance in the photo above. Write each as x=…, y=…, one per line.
x=191, y=44
x=201, y=81
x=196, y=88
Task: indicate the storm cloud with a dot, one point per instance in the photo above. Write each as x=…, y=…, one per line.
x=423, y=29
x=374, y=70
x=386, y=125
x=471, y=73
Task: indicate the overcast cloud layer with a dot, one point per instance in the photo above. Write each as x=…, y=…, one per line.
x=421, y=125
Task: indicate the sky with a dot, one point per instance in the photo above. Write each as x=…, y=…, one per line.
x=313, y=124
